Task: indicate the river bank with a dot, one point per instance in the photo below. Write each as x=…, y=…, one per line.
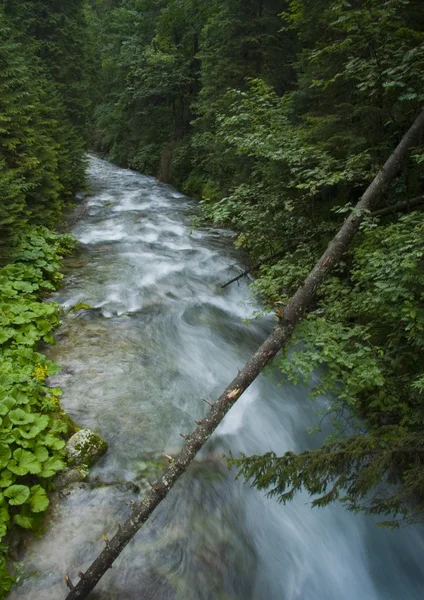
x=38, y=440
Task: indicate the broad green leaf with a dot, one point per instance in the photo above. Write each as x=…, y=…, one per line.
x=6, y=437
x=4, y=513
x=21, y=441
x=17, y=494
x=38, y=500
x=53, y=442
x=6, y=333
x=23, y=521
x=41, y=453
x=6, y=381
x=6, y=478
x=59, y=426
x=24, y=462
x=31, y=431
x=51, y=467
x=21, y=417
x=6, y=404
x=21, y=398
x=5, y=454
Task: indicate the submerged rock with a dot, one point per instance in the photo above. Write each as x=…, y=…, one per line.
x=74, y=488
x=70, y=476
x=85, y=447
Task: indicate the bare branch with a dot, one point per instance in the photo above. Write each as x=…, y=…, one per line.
x=399, y=207
x=250, y=269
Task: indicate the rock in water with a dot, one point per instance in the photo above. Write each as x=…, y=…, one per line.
x=85, y=447
x=69, y=477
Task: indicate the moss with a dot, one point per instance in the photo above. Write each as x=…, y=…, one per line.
x=80, y=306
x=72, y=427
x=85, y=447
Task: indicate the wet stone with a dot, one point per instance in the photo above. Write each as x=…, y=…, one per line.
x=85, y=447
x=73, y=488
x=69, y=477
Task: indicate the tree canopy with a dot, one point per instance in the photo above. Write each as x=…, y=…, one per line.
x=276, y=115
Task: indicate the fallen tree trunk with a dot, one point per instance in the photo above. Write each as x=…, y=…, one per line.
x=292, y=315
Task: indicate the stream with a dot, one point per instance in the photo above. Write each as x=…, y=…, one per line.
x=160, y=335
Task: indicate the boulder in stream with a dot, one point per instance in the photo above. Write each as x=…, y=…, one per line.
x=84, y=448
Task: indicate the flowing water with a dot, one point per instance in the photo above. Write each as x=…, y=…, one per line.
x=160, y=335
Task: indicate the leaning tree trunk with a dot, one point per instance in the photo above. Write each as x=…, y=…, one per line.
x=292, y=315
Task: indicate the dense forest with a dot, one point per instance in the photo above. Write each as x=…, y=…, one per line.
x=275, y=115
x=43, y=114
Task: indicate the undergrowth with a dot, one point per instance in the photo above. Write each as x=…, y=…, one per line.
x=33, y=429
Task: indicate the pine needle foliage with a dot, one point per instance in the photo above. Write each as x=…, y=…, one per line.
x=41, y=164
x=349, y=471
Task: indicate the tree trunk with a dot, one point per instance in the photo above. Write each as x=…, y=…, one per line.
x=292, y=315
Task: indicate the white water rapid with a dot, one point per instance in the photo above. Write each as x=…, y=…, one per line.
x=160, y=335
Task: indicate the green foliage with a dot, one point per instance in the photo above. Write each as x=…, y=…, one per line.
x=365, y=72
x=366, y=337
x=6, y=581
x=41, y=156
x=43, y=109
x=166, y=64
x=58, y=31
x=369, y=328
x=277, y=114
x=32, y=428
x=350, y=471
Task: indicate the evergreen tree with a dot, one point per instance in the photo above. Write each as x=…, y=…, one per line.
x=58, y=29
x=29, y=147
x=57, y=32
x=42, y=165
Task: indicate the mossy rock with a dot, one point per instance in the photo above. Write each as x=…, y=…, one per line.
x=85, y=447
x=71, y=476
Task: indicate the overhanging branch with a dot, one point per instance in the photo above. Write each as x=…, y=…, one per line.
x=399, y=207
